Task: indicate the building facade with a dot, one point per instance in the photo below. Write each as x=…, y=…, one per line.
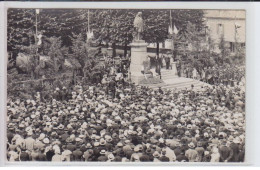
x=227, y=24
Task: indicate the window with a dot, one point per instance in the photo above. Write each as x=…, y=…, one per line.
x=232, y=46
x=220, y=29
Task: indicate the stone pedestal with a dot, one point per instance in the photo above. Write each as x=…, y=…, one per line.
x=109, y=51
x=174, y=68
x=138, y=56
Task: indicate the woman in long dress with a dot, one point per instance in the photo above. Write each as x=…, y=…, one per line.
x=194, y=73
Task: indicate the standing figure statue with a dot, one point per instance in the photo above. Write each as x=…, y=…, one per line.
x=138, y=26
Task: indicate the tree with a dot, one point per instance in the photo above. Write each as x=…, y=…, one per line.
x=20, y=29
x=27, y=61
x=81, y=51
x=113, y=27
x=156, y=26
x=190, y=24
x=62, y=23
x=56, y=52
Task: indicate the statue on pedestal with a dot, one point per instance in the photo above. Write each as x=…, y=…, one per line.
x=138, y=26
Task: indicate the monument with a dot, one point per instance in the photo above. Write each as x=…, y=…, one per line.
x=138, y=51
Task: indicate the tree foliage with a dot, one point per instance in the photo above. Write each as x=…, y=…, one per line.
x=56, y=52
x=20, y=29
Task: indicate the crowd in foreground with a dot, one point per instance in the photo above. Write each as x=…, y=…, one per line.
x=115, y=122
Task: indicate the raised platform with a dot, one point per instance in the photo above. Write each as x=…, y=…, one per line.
x=171, y=81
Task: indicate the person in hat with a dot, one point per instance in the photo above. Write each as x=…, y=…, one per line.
x=234, y=146
x=164, y=158
x=135, y=158
x=226, y=153
x=102, y=157
x=88, y=155
x=57, y=157
x=111, y=158
x=215, y=156
x=13, y=156
x=156, y=156
x=34, y=154
x=145, y=157
x=200, y=151
x=206, y=157
x=77, y=154
x=41, y=155
x=29, y=142
x=66, y=154
x=191, y=153
x=170, y=153
x=49, y=153
x=24, y=156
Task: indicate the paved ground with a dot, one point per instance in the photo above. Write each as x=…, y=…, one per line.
x=171, y=81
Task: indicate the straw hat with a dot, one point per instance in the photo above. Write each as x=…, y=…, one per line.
x=46, y=140
x=103, y=152
x=156, y=154
x=191, y=145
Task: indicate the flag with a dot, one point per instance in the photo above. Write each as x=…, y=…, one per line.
x=90, y=35
x=175, y=30
x=39, y=39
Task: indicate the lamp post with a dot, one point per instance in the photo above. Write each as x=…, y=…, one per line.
x=237, y=26
x=37, y=11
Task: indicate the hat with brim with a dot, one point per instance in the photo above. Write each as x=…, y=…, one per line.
x=156, y=154
x=111, y=157
x=119, y=144
x=137, y=149
x=46, y=140
x=127, y=141
x=96, y=144
x=42, y=136
x=236, y=140
x=102, y=152
x=61, y=127
x=78, y=139
x=191, y=145
x=88, y=146
x=148, y=150
x=102, y=142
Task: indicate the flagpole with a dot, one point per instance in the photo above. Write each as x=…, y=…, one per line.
x=173, y=31
x=36, y=32
x=171, y=18
x=88, y=20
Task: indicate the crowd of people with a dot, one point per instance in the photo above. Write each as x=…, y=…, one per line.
x=116, y=121
x=225, y=74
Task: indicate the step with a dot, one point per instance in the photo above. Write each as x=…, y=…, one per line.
x=182, y=86
x=179, y=85
x=197, y=88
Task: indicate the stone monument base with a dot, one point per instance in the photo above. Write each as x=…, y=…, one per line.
x=138, y=56
x=174, y=68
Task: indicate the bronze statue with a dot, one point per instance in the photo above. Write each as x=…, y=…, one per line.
x=138, y=26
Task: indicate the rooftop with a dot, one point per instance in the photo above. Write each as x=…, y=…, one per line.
x=228, y=14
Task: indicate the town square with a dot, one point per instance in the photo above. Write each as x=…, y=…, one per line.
x=126, y=85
